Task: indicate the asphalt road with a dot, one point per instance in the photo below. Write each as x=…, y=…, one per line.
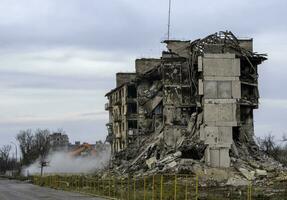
x=16, y=190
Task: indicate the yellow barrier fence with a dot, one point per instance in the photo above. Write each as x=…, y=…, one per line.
x=155, y=187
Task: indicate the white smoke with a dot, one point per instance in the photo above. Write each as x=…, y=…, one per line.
x=63, y=163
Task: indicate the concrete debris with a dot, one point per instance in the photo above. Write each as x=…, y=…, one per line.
x=190, y=111
x=260, y=173
x=172, y=164
x=151, y=162
x=249, y=175
x=236, y=181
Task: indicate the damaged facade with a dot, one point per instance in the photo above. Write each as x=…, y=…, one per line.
x=195, y=102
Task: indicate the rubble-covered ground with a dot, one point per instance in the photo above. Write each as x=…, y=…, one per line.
x=257, y=168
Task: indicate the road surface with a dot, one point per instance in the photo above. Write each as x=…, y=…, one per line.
x=16, y=190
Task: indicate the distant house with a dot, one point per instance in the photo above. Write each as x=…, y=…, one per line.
x=59, y=141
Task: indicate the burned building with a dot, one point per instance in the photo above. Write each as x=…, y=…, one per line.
x=197, y=99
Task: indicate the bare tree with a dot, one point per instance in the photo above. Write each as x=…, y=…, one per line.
x=273, y=148
x=25, y=139
x=4, y=158
x=5, y=152
x=33, y=146
x=42, y=142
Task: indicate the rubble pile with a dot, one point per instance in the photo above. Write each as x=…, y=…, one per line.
x=190, y=111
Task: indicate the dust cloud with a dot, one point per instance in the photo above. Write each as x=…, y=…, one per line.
x=63, y=163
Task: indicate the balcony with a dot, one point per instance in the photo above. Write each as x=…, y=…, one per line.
x=107, y=106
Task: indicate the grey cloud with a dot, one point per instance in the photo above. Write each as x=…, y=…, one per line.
x=128, y=29
x=125, y=25
x=34, y=80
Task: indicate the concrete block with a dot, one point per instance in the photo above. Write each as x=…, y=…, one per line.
x=236, y=89
x=200, y=87
x=218, y=113
x=179, y=47
x=210, y=89
x=260, y=173
x=219, y=157
x=218, y=136
x=219, y=101
x=124, y=78
x=225, y=135
x=225, y=124
x=221, y=67
x=221, y=78
x=214, y=157
x=219, y=56
x=246, y=44
x=211, y=135
x=225, y=112
x=210, y=112
x=224, y=89
x=224, y=158
x=145, y=64
x=200, y=64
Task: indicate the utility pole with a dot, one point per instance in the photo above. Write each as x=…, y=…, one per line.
x=168, y=25
x=15, y=150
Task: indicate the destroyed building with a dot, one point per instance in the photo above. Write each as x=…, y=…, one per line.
x=196, y=101
x=59, y=141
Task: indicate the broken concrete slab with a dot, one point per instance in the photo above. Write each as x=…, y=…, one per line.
x=236, y=181
x=249, y=175
x=260, y=173
x=151, y=162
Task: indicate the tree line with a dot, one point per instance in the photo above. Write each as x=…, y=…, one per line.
x=276, y=149
x=34, y=145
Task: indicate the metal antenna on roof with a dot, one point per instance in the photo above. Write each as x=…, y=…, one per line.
x=168, y=25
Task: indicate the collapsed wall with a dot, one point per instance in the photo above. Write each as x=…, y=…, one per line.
x=195, y=102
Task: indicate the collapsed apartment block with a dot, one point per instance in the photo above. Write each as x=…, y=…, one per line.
x=196, y=102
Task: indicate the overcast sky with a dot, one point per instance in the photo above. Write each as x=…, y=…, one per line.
x=59, y=57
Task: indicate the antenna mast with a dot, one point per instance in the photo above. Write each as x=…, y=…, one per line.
x=168, y=25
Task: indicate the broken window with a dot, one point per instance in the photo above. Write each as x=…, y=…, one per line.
x=248, y=72
x=235, y=134
x=132, y=124
x=249, y=92
x=132, y=108
x=172, y=95
x=186, y=95
x=158, y=110
x=185, y=74
x=172, y=74
x=132, y=91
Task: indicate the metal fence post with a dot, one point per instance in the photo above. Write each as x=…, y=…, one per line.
x=134, y=188
x=121, y=188
x=153, y=187
x=128, y=187
x=109, y=187
x=161, y=187
x=144, y=188
x=175, y=187
x=249, y=191
x=186, y=178
x=114, y=180
x=196, y=187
